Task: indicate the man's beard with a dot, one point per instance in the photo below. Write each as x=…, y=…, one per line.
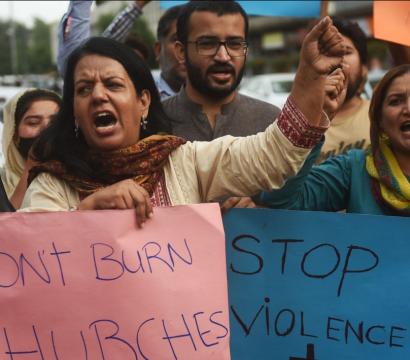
x=201, y=84
x=352, y=87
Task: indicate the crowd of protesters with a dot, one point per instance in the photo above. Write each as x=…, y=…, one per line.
x=121, y=139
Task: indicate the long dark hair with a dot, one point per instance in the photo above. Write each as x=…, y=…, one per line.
x=58, y=141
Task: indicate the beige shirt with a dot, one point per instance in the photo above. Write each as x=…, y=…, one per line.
x=199, y=171
x=205, y=171
x=345, y=133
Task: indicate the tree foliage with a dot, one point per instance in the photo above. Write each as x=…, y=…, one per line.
x=39, y=48
x=140, y=29
x=33, y=48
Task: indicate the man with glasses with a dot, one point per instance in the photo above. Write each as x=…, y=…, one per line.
x=212, y=43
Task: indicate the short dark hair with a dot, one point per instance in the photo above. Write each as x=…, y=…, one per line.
x=165, y=21
x=30, y=96
x=217, y=7
x=58, y=141
x=137, y=44
x=353, y=31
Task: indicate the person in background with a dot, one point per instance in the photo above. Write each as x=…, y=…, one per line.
x=74, y=29
x=103, y=151
x=351, y=126
x=138, y=46
x=26, y=115
x=376, y=181
x=212, y=44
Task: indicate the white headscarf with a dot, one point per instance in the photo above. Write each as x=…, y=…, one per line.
x=14, y=162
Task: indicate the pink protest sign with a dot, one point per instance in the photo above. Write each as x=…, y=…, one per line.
x=91, y=285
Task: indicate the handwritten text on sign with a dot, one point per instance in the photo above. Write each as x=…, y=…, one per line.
x=336, y=285
x=91, y=285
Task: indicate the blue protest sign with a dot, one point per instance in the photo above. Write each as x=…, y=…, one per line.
x=311, y=285
x=270, y=8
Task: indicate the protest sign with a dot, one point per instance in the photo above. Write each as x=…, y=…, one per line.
x=312, y=285
x=269, y=8
x=391, y=21
x=91, y=285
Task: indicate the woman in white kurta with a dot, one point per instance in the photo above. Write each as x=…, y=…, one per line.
x=102, y=152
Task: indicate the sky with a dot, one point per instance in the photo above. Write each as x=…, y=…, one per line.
x=26, y=11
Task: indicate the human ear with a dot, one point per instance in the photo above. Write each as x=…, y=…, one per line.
x=364, y=70
x=180, y=52
x=157, y=50
x=145, y=99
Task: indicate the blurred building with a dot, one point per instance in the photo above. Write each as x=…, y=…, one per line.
x=275, y=41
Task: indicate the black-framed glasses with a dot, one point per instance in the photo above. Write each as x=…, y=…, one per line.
x=209, y=47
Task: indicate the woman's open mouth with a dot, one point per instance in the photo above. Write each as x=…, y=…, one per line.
x=405, y=127
x=105, y=123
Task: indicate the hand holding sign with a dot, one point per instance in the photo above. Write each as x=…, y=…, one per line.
x=122, y=195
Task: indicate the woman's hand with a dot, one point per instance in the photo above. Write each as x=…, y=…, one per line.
x=335, y=92
x=237, y=202
x=323, y=48
x=322, y=52
x=125, y=194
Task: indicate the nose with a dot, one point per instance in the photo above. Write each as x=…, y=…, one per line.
x=222, y=53
x=99, y=93
x=45, y=123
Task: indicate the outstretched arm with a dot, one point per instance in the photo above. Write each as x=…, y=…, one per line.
x=121, y=26
x=74, y=28
x=323, y=187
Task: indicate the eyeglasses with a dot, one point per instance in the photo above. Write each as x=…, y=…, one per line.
x=209, y=47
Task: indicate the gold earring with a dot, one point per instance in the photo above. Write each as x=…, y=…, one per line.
x=143, y=122
x=384, y=137
x=76, y=129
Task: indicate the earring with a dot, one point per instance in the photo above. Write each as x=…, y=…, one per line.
x=383, y=136
x=144, y=122
x=76, y=129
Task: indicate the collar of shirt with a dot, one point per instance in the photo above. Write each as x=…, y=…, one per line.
x=164, y=89
x=226, y=108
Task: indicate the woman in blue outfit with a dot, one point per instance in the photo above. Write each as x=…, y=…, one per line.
x=372, y=182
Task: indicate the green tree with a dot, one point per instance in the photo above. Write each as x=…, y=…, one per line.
x=140, y=29
x=5, y=58
x=22, y=36
x=40, y=48
x=33, y=48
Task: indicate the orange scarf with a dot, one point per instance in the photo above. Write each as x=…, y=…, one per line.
x=143, y=162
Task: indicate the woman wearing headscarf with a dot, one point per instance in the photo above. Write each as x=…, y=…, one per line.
x=104, y=152
x=25, y=116
x=376, y=181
